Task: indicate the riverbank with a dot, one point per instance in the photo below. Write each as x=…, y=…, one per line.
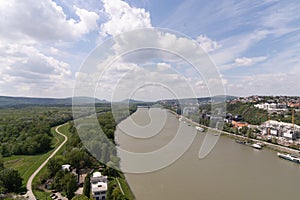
x=271, y=146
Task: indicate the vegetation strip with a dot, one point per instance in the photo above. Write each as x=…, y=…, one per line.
x=120, y=186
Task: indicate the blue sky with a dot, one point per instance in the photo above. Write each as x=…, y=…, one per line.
x=255, y=44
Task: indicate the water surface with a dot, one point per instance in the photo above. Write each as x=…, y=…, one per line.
x=231, y=171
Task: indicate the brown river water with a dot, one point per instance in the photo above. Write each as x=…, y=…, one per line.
x=230, y=172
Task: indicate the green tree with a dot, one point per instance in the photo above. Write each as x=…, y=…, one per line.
x=249, y=133
x=11, y=179
x=87, y=186
x=110, y=170
x=70, y=184
x=54, y=164
x=117, y=194
x=244, y=130
x=58, y=180
x=236, y=131
x=80, y=197
x=1, y=163
x=2, y=187
x=75, y=156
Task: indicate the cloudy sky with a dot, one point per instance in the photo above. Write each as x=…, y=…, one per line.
x=254, y=44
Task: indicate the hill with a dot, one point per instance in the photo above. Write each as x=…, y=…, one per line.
x=7, y=101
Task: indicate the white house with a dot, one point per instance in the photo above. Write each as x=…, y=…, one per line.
x=99, y=186
x=274, y=132
x=272, y=107
x=66, y=167
x=288, y=134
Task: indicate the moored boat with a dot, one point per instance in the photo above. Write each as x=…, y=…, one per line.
x=198, y=128
x=289, y=157
x=240, y=141
x=256, y=146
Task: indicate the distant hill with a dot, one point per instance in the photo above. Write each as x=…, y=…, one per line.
x=6, y=101
x=132, y=101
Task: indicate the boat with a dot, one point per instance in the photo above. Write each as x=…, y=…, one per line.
x=256, y=146
x=240, y=141
x=198, y=128
x=289, y=157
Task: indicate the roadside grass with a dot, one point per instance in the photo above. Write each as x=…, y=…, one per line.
x=40, y=194
x=125, y=186
x=27, y=164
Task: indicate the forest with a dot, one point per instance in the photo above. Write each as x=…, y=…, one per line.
x=26, y=130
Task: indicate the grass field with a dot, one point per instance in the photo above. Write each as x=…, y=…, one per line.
x=27, y=164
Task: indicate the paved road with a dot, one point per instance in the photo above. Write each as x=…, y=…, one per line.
x=29, y=182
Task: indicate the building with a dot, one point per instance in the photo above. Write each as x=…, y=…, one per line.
x=237, y=124
x=280, y=129
x=99, y=186
x=66, y=167
x=272, y=107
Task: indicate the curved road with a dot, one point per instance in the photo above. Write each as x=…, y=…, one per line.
x=29, y=182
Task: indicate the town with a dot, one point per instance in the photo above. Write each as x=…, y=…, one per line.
x=273, y=119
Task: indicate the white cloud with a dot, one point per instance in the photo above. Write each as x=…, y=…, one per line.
x=26, y=70
x=244, y=61
x=235, y=46
x=32, y=60
x=123, y=18
x=144, y=83
x=87, y=23
x=264, y=84
x=43, y=20
x=163, y=66
x=208, y=44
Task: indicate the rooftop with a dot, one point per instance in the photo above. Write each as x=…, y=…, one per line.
x=99, y=186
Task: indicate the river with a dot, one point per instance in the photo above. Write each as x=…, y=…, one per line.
x=230, y=172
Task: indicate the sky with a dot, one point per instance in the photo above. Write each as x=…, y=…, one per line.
x=254, y=45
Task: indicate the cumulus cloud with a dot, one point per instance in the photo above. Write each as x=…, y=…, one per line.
x=160, y=49
x=43, y=20
x=32, y=62
x=208, y=44
x=26, y=69
x=122, y=17
x=244, y=61
x=144, y=83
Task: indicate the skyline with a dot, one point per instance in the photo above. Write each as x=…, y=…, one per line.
x=254, y=44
